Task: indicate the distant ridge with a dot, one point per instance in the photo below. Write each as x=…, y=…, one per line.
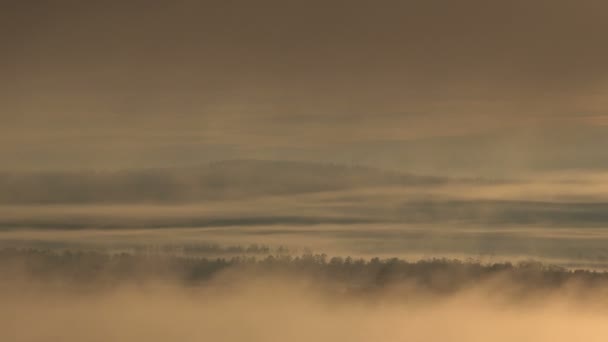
x=219, y=180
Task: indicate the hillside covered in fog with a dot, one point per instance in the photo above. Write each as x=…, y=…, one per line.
x=216, y=181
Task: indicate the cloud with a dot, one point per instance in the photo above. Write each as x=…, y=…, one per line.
x=135, y=299
x=329, y=208
x=134, y=84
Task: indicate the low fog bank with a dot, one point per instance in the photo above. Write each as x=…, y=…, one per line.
x=558, y=217
x=347, y=275
x=85, y=296
x=572, y=247
x=273, y=311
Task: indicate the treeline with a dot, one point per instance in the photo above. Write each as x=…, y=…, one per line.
x=349, y=274
x=209, y=249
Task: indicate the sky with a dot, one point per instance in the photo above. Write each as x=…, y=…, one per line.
x=459, y=87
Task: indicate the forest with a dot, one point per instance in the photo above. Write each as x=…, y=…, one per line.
x=356, y=276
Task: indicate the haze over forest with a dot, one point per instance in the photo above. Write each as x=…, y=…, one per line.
x=303, y=170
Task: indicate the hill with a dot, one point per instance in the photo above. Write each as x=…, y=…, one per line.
x=220, y=180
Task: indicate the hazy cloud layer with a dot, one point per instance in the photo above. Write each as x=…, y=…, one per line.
x=129, y=83
x=329, y=208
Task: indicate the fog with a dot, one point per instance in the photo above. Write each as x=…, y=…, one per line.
x=278, y=300
x=278, y=312
x=558, y=217
x=408, y=170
